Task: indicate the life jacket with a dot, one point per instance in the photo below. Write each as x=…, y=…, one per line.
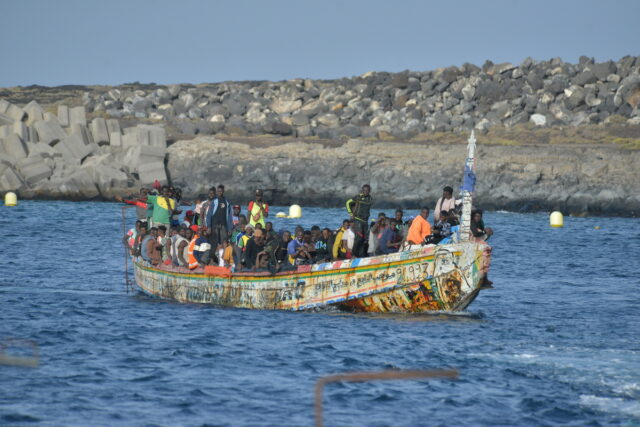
x=254, y=209
x=193, y=262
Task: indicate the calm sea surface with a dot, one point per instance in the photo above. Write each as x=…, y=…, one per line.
x=556, y=342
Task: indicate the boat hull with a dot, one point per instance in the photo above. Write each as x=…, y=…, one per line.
x=429, y=278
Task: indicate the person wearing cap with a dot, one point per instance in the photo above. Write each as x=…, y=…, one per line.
x=236, y=214
x=445, y=203
x=258, y=210
x=188, y=218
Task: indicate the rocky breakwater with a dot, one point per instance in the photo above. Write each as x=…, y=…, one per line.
x=61, y=155
x=572, y=178
x=392, y=105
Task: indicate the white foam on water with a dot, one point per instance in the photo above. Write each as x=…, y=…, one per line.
x=612, y=405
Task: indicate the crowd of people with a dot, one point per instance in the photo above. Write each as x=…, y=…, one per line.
x=218, y=233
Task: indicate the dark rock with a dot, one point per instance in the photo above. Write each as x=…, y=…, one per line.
x=535, y=80
x=351, y=131
x=557, y=84
x=586, y=77
x=603, y=69
x=400, y=80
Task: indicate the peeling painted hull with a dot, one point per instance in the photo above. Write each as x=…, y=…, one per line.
x=428, y=278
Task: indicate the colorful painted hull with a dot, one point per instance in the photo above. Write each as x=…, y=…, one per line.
x=429, y=278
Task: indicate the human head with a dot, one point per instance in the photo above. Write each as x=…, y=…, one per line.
x=315, y=232
x=248, y=229
x=268, y=226
x=263, y=261
x=399, y=214
x=220, y=191
x=381, y=215
x=143, y=228
x=236, y=210
x=326, y=233
x=188, y=233
x=258, y=236
x=258, y=226
x=242, y=219
x=306, y=236
x=165, y=191
x=162, y=231
x=259, y=195
x=153, y=231
x=447, y=192
x=299, y=233
x=424, y=212
x=286, y=236
x=444, y=214
x=366, y=189
x=345, y=224
x=138, y=223
x=189, y=214
x=476, y=215
x=212, y=193
x=182, y=231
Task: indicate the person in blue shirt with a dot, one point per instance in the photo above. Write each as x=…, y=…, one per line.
x=386, y=239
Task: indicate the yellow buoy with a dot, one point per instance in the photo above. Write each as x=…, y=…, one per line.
x=281, y=215
x=597, y=227
x=10, y=199
x=556, y=219
x=295, y=211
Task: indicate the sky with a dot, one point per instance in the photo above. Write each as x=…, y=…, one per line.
x=111, y=42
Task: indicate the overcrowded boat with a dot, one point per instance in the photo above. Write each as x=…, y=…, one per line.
x=418, y=278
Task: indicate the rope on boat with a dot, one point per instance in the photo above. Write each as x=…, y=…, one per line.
x=127, y=283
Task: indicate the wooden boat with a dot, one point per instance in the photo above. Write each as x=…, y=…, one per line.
x=421, y=278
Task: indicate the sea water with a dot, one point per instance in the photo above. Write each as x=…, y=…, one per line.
x=557, y=341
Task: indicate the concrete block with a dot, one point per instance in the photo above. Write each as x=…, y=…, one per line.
x=129, y=140
x=99, y=131
x=75, y=147
x=22, y=130
x=49, y=132
x=113, y=126
x=15, y=112
x=5, y=131
x=155, y=135
x=14, y=147
x=43, y=150
x=63, y=115
x=10, y=180
x=152, y=171
x=32, y=134
x=77, y=116
x=33, y=169
x=4, y=106
x=5, y=120
x=34, y=111
x=115, y=139
x=50, y=116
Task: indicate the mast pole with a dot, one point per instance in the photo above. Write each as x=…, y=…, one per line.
x=468, y=184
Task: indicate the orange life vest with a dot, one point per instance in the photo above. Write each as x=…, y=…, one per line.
x=193, y=262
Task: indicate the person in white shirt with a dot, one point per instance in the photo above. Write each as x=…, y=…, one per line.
x=445, y=203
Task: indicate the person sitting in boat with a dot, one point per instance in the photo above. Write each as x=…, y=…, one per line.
x=254, y=246
x=180, y=245
x=478, y=230
x=150, y=250
x=202, y=249
x=262, y=263
x=323, y=245
x=374, y=230
x=296, y=249
x=339, y=250
x=269, y=232
x=386, y=237
x=189, y=218
x=420, y=228
x=445, y=203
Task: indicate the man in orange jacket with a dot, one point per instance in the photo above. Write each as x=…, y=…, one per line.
x=420, y=228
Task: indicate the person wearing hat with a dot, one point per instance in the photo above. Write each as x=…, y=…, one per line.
x=189, y=218
x=258, y=210
x=236, y=214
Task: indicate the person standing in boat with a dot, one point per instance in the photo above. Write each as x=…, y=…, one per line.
x=219, y=218
x=140, y=202
x=258, y=210
x=359, y=209
x=163, y=207
x=445, y=203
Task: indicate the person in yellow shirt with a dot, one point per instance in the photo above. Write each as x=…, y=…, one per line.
x=420, y=228
x=258, y=210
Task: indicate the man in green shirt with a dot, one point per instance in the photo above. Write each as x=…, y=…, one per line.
x=163, y=207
